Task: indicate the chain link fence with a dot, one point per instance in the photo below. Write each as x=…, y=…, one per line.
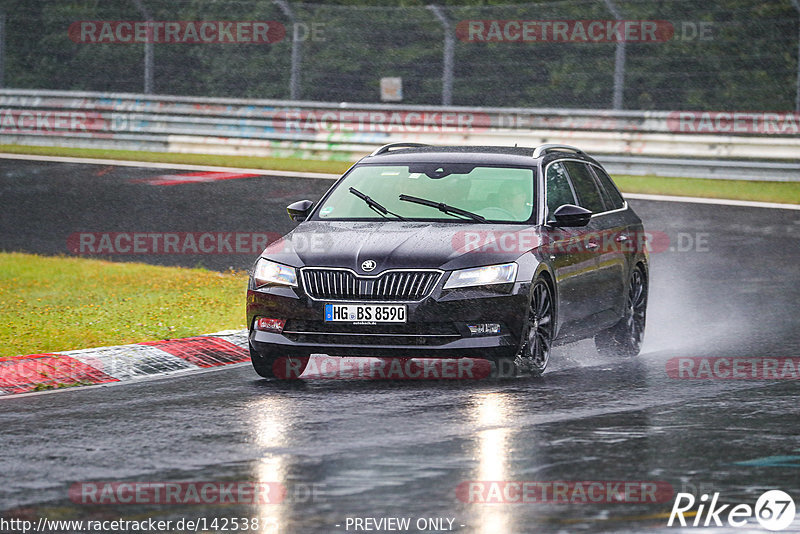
x=591, y=54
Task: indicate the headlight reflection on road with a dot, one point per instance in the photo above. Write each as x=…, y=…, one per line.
x=269, y=424
x=492, y=410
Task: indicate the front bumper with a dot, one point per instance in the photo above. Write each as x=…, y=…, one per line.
x=436, y=325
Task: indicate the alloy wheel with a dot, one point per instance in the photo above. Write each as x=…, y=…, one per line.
x=534, y=354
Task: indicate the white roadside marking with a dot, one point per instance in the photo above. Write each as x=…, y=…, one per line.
x=717, y=201
x=179, y=166
x=326, y=176
x=105, y=366
x=149, y=378
x=127, y=362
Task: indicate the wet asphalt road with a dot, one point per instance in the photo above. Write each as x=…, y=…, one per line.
x=370, y=448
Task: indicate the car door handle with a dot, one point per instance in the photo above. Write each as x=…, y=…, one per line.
x=591, y=245
x=621, y=238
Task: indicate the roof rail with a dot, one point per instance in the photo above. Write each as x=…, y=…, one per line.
x=554, y=147
x=387, y=148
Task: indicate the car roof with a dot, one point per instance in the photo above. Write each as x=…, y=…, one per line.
x=486, y=155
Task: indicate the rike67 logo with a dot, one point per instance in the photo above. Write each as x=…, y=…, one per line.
x=774, y=510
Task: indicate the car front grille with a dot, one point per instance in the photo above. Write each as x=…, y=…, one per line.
x=422, y=334
x=343, y=284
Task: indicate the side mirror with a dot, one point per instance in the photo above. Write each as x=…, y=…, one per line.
x=572, y=215
x=300, y=210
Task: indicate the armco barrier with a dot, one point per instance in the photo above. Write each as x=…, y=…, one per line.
x=346, y=131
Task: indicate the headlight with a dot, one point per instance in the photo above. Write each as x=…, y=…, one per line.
x=269, y=272
x=483, y=276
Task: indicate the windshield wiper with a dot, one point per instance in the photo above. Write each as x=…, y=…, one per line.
x=374, y=204
x=444, y=208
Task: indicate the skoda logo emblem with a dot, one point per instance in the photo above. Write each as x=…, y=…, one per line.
x=368, y=265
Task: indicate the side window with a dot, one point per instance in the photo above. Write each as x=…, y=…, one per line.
x=612, y=196
x=559, y=190
x=585, y=186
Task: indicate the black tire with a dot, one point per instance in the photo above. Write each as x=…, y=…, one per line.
x=625, y=337
x=278, y=367
x=537, y=332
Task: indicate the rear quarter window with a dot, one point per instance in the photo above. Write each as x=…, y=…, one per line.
x=585, y=186
x=611, y=195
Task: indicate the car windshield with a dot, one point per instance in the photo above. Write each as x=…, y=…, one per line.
x=503, y=194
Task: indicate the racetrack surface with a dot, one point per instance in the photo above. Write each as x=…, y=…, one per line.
x=375, y=448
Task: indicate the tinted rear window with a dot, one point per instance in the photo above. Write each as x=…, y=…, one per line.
x=612, y=196
x=585, y=186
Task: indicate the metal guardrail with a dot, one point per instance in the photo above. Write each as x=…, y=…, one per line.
x=703, y=168
x=632, y=142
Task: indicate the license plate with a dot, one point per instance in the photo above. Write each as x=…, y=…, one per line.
x=367, y=313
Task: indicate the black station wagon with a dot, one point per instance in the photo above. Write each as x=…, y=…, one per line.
x=454, y=252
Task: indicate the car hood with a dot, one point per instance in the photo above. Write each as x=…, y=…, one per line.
x=401, y=244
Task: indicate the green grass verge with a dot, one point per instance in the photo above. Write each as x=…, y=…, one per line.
x=62, y=303
x=784, y=192
x=274, y=164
